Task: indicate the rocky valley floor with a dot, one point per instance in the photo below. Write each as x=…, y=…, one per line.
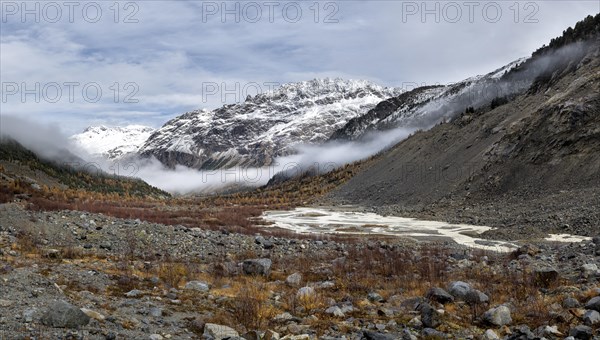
x=76, y=275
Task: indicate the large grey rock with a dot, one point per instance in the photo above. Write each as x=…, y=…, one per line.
x=475, y=297
x=498, y=316
x=459, y=289
x=257, y=267
x=218, y=332
x=581, y=332
x=197, y=285
x=589, y=270
x=430, y=317
x=546, y=276
x=439, y=295
x=294, y=279
x=62, y=314
x=591, y=318
x=593, y=304
x=464, y=292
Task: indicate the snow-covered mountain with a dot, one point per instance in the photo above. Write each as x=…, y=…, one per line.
x=428, y=105
x=112, y=142
x=265, y=126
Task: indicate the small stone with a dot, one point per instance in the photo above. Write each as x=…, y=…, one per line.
x=51, y=253
x=408, y=335
x=490, y=335
x=134, y=293
x=335, y=311
x=156, y=337
x=498, y=316
x=430, y=333
x=5, y=303
x=219, y=332
x=305, y=292
x=570, y=302
x=266, y=244
x=415, y=322
x=375, y=297
x=106, y=246
x=92, y=314
x=551, y=331
x=285, y=316
x=528, y=249
x=294, y=279
x=155, y=312
x=197, y=285
x=28, y=314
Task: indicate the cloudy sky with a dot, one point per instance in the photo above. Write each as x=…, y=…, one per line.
x=76, y=64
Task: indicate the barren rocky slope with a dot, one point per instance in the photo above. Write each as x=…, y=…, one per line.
x=532, y=162
x=74, y=275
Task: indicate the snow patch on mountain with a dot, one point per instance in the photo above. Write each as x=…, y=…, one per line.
x=112, y=142
x=266, y=126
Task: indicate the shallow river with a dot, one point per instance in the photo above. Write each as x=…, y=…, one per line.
x=330, y=221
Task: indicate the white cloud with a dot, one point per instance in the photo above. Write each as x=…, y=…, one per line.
x=171, y=52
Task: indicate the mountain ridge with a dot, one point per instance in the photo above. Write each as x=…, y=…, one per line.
x=266, y=126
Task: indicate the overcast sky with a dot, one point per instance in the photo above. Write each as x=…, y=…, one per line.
x=153, y=60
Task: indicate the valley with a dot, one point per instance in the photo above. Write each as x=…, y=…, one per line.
x=461, y=211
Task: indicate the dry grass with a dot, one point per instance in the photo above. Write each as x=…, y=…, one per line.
x=172, y=273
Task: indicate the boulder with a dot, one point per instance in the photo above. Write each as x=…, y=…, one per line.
x=294, y=279
x=439, y=295
x=581, y=332
x=429, y=316
x=545, y=276
x=197, y=285
x=257, y=266
x=219, y=332
x=62, y=314
x=593, y=304
x=459, y=289
x=591, y=318
x=589, y=269
x=498, y=316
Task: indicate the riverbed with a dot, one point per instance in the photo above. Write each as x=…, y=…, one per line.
x=345, y=221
